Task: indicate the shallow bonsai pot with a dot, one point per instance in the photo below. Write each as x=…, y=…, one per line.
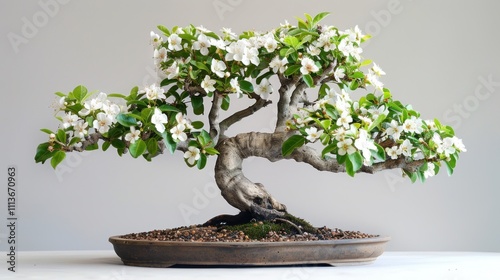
x=167, y=253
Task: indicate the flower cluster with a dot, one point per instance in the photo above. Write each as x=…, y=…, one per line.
x=375, y=129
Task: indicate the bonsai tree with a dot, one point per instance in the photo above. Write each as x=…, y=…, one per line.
x=316, y=71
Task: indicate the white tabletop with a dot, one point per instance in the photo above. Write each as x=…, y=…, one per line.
x=391, y=265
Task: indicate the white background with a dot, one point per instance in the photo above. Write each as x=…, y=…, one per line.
x=437, y=55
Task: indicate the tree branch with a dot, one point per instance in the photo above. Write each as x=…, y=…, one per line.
x=284, y=114
x=238, y=116
x=213, y=117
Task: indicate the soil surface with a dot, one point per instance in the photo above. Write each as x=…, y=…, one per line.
x=257, y=231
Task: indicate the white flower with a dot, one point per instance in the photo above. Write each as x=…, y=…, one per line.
x=393, y=152
x=270, y=43
x=278, y=65
x=340, y=134
x=133, y=135
x=156, y=40
x=364, y=144
x=252, y=55
x=174, y=42
x=218, y=67
x=93, y=105
x=80, y=128
x=313, y=50
x=431, y=125
x=339, y=74
x=325, y=41
x=377, y=70
x=208, y=84
x=394, y=130
x=172, y=71
x=218, y=43
x=228, y=33
x=192, y=155
x=69, y=120
x=159, y=56
x=376, y=112
x=430, y=170
x=313, y=133
x=237, y=51
x=202, y=44
x=181, y=120
x=406, y=147
x=348, y=49
x=446, y=147
x=112, y=110
x=374, y=81
x=459, y=145
x=308, y=66
x=344, y=120
x=178, y=133
x=264, y=88
x=159, y=119
x=102, y=122
x=345, y=147
x=235, y=87
x=413, y=125
x=154, y=92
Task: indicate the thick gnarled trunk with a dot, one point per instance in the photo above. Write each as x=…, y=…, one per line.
x=238, y=190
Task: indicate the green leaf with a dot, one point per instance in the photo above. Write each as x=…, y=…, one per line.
x=246, y=86
x=92, y=147
x=291, y=144
x=291, y=41
x=319, y=17
x=202, y=161
x=211, y=151
x=117, y=95
x=137, y=148
x=225, y=103
x=308, y=80
x=379, y=154
x=326, y=124
x=169, y=142
x=197, y=103
x=79, y=93
x=200, y=65
x=57, y=158
x=119, y=144
x=349, y=167
x=60, y=94
x=169, y=108
x=48, y=131
x=152, y=146
x=377, y=122
x=291, y=70
x=365, y=62
x=105, y=146
x=353, y=85
x=164, y=30
x=356, y=160
x=43, y=153
x=74, y=140
x=126, y=120
x=61, y=136
x=328, y=149
x=197, y=124
x=204, y=138
x=357, y=75
x=167, y=82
